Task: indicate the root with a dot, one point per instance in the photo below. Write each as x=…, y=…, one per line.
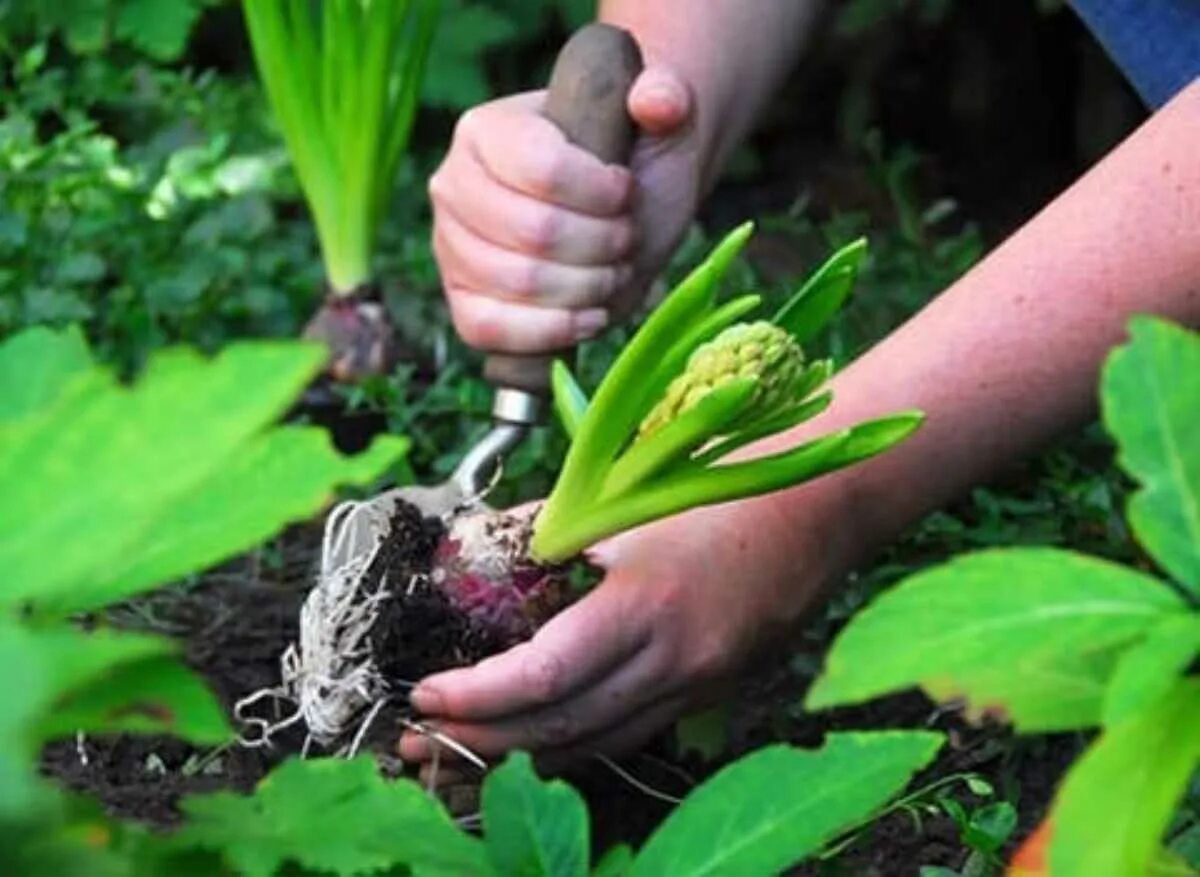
x=330, y=677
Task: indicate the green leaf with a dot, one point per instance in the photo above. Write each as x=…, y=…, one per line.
x=570, y=402
x=150, y=696
x=704, y=733
x=768, y=810
x=823, y=294
x=456, y=76
x=1151, y=668
x=1114, y=807
x=160, y=29
x=333, y=816
x=85, y=477
x=1034, y=633
x=36, y=365
x=1149, y=394
x=533, y=828
x=283, y=476
x=617, y=862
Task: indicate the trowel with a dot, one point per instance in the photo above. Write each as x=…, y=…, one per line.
x=586, y=99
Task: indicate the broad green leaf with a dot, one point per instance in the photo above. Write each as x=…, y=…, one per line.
x=823, y=294
x=1032, y=633
x=152, y=695
x=533, y=828
x=332, y=816
x=84, y=478
x=570, y=402
x=282, y=476
x=1111, y=812
x=1151, y=668
x=36, y=365
x=160, y=29
x=772, y=808
x=1149, y=393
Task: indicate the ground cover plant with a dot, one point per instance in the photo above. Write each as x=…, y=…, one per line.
x=1087, y=643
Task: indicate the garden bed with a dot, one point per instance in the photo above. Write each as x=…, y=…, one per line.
x=236, y=620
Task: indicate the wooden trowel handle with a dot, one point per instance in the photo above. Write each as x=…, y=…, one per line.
x=587, y=101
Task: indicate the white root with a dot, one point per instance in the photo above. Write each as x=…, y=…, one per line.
x=330, y=678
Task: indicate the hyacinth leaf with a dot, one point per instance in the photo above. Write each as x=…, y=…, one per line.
x=1062, y=621
x=1150, y=669
x=570, y=402
x=533, y=827
x=343, y=79
x=695, y=486
x=790, y=802
x=782, y=422
x=676, y=440
x=675, y=360
x=823, y=294
x=37, y=365
x=624, y=397
x=1148, y=393
x=1129, y=782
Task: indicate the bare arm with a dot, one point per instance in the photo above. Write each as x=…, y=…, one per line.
x=1009, y=356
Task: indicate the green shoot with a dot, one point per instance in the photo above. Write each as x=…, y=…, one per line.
x=691, y=387
x=342, y=77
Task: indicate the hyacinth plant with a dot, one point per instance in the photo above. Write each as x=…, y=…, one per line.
x=697, y=383
x=343, y=78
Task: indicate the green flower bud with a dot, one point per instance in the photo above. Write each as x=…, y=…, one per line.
x=761, y=351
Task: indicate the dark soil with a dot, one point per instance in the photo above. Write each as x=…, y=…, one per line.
x=237, y=620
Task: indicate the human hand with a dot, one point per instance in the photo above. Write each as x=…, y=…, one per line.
x=539, y=243
x=683, y=604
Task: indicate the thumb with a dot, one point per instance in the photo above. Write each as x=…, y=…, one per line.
x=661, y=102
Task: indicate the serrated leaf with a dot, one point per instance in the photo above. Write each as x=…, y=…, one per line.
x=533, y=828
x=1151, y=668
x=1149, y=392
x=85, y=477
x=770, y=809
x=823, y=294
x=334, y=816
x=1112, y=810
x=36, y=365
x=283, y=476
x=1057, y=620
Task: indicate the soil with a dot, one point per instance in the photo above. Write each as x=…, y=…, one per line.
x=235, y=621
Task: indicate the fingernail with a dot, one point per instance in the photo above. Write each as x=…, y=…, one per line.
x=587, y=324
x=413, y=747
x=426, y=700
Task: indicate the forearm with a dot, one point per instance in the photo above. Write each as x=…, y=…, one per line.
x=732, y=53
x=1009, y=357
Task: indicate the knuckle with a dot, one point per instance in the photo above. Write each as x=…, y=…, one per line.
x=437, y=185
x=523, y=279
x=540, y=233
x=544, y=676
x=553, y=728
x=477, y=329
x=544, y=178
